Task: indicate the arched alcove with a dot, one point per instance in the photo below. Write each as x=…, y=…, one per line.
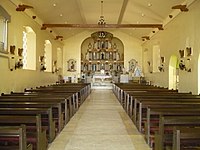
x=59, y=58
x=102, y=51
x=173, y=77
x=102, y=59
x=29, y=48
x=48, y=55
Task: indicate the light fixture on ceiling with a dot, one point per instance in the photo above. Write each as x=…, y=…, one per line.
x=102, y=19
x=149, y=4
x=102, y=22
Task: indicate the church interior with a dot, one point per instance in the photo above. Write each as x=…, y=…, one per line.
x=99, y=74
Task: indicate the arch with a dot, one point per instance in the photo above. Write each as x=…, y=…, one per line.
x=29, y=48
x=48, y=55
x=59, y=58
x=173, y=78
x=102, y=51
x=156, y=58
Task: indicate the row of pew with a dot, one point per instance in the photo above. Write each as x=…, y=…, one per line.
x=31, y=120
x=168, y=119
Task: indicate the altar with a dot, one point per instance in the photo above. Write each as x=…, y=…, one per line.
x=101, y=81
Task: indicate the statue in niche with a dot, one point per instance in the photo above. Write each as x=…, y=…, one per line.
x=12, y=49
x=132, y=65
x=137, y=72
x=72, y=65
x=102, y=55
x=102, y=44
x=20, y=50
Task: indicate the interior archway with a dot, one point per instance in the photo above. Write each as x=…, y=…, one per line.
x=173, y=77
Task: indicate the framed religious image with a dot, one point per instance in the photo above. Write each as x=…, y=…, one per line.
x=71, y=65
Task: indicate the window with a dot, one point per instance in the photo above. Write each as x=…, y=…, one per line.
x=59, y=58
x=4, y=19
x=156, y=58
x=29, y=49
x=48, y=55
x=145, y=61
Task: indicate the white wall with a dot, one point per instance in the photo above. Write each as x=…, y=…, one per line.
x=19, y=79
x=181, y=32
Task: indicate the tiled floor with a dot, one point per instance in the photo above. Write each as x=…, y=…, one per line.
x=100, y=124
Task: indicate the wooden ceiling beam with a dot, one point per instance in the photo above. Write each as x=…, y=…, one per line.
x=45, y=26
x=23, y=7
x=181, y=7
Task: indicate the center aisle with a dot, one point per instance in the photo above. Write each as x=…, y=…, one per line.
x=100, y=124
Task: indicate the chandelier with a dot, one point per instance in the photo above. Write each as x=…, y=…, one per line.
x=102, y=22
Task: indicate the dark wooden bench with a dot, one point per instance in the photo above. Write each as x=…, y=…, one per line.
x=185, y=138
x=7, y=133
x=46, y=114
x=36, y=135
x=154, y=113
x=161, y=103
x=71, y=96
x=58, y=114
x=58, y=101
x=164, y=137
x=138, y=97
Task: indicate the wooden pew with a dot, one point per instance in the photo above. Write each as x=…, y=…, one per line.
x=45, y=112
x=19, y=132
x=128, y=96
x=154, y=113
x=72, y=97
x=136, y=101
x=36, y=135
x=66, y=104
x=186, y=138
x=166, y=124
x=56, y=107
x=75, y=92
x=161, y=103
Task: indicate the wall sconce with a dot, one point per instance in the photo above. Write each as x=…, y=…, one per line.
x=42, y=67
x=19, y=64
x=15, y=63
x=189, y=51
x=12, y=63
x=182, y=65
x=185, y=65
x=12, y=49
x=161, y=67
x=181, y=53
x=20, y=51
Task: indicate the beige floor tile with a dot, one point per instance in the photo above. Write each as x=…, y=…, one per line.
x=100, y=124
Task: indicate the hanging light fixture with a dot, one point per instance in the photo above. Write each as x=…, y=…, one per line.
x=102, y=19
x=102, y=22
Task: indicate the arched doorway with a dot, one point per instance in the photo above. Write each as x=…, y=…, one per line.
x=173, y=73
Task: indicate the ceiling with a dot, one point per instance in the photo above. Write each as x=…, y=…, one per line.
x=114, y=12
